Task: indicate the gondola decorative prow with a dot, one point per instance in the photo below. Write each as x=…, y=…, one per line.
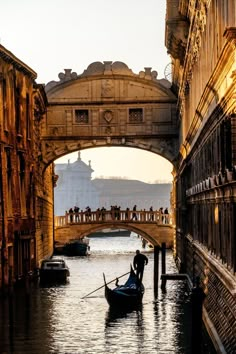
x=104, y=279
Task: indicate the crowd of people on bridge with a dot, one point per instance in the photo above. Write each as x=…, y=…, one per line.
x=115, y=213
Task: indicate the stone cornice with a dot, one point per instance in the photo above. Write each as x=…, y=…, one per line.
x=198, y=24
x=107, y=69
x=197, y=14
x=230, y=36
x=222, y=68
x=17, y=63
x=177, y=27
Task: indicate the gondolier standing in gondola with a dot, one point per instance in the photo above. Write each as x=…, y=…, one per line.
x=140, y=260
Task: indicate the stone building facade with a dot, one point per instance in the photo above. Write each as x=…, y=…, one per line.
x=74, y=187
x=26, y=186
x=201, y=39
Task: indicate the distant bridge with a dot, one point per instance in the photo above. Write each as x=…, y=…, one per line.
x=154, y=227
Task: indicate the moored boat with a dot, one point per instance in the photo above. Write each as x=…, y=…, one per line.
x=53, y=270
x=125, y=296
x=58, y=248
x=77, y=247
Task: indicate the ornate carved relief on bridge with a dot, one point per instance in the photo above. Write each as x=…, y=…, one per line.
x=109, y=105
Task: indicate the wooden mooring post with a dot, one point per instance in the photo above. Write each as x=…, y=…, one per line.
x=156, y=270
x=163, y=264
x=197, y=297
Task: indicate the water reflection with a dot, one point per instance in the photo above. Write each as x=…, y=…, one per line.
x=57, y=319
x=171, y=312
x=124, y=324
x=112, y=315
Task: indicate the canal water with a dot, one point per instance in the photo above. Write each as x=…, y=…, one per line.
x=59, y=320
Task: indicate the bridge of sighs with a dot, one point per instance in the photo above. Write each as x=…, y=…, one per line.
x=109, y=105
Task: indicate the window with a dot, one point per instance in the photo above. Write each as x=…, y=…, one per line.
x=17, y=110
x=22, y=183
x=27, y=112
x=82, y=116
x=135, y=115
x=5, y=105
x=9, y=182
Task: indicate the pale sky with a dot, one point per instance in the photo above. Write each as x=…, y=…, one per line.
x=52, y=35
x=125, y=162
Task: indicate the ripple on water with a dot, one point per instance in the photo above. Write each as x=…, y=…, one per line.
x=58, y=320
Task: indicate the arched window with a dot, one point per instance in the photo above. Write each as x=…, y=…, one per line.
x=17, y=110
x=3, y=95
x=21, y=169
x=27, y=114
x=9, y=181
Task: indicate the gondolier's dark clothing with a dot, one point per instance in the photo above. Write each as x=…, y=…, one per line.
x=140, y=260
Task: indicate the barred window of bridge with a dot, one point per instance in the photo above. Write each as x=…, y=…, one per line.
x=82, y=116
x=135, y=115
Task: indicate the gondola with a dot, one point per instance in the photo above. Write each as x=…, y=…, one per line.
x=125, y=296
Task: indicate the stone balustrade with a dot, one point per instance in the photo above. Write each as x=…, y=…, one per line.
x=124, y=216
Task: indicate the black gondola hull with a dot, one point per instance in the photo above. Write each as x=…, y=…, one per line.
x=119, y=300
x=127, y=296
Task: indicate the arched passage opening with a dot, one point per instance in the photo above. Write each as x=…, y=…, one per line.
x=105, y=177
x=129, y=180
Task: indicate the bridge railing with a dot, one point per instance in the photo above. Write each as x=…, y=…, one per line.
x=124, y=216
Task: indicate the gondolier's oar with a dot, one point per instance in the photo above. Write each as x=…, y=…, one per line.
x=105, y=284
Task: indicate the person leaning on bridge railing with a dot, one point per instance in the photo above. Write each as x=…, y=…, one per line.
x=98, y=214
x=76, y=211
x=161, y=216
x=166, y=216
x=151, y=214
x=103, y=211
x=127, y=214
x=134, y=215
x=88, y=213
x=71, y=212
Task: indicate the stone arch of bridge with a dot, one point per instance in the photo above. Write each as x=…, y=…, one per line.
x=109, y=105
x=150, y=232
x=134, y=229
